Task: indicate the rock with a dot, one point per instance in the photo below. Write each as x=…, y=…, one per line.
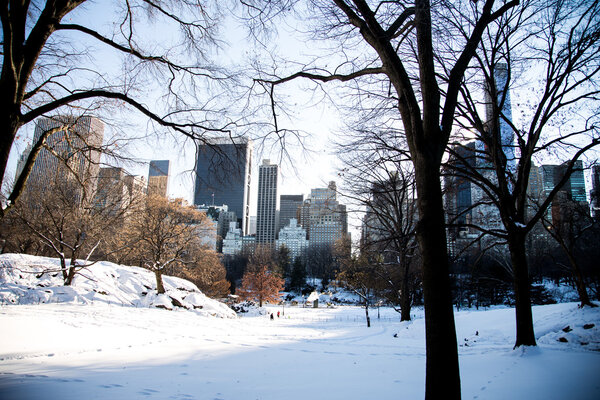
x=588, y=326
x=562, y=339
x=567, y=329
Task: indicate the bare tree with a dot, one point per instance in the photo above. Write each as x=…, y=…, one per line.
x=69, y=226
x=387, y=191
x=51, y=65
x=568, y=226
x=356, y=274
x=390, y=52
x=549, y=48
x=164, y=233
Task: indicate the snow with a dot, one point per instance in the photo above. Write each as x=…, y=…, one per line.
x=94, y=349
x=22, y=282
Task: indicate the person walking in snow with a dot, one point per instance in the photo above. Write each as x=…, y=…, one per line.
x=277, y=314
x=272, y=317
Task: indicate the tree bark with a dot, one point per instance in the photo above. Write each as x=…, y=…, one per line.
x=367, y=314
x=524, y=317
x=160, y=288
x=442, y=369
x=405, y=297
x=584, y=299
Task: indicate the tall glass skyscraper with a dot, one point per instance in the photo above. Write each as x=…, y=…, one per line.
x=223, y=173
x=502, y=117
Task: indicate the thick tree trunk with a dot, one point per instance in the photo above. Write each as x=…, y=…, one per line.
x=367, y=314
x=9, y=126
x=160, y=288
x=405, y=297
x=63, y=268
x=584, y=299
x=442, y=376
x=72, y=267
x=70, y=275
x=524, y=317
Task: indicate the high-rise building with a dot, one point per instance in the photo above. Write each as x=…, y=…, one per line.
x=266, y=210
x=111, y=193
x=158, y=177
x=22, y=160
x=288, y=208
x=72, y=153
x=232, y=243
x=117, y=190
x=328, y=220
x=458, y=189
x=501, y=115
x=293, y=237
x=544, y=179
x=223, y=176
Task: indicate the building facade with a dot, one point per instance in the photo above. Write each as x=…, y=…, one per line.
x=72, y=154
x=289, y=205
x=158, y=177
x=293, y=237
x=327, y=218
x=266, y=210
x=223, y=176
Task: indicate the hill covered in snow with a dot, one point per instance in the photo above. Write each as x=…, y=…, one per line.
x=26, y=279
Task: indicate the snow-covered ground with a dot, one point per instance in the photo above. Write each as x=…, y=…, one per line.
x=111, y=350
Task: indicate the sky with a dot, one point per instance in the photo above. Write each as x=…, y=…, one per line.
x=300, y=169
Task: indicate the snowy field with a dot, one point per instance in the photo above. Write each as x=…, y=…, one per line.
x=64, y=351
x=104, y=338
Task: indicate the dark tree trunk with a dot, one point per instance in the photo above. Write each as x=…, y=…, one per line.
x=524, y=317
x=367, y=314
x=442, y=375
x=584, y=299
x=405, y=297
x=63, y=268
x=70, y=275
x=160, y=288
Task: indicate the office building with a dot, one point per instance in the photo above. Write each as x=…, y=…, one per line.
x=117, y=191
x=266, y=210
x=232, y=243
x=158, y=177
x=72, y=154
x=223, y=176
x=293, y=237
x=498, y=114
x=327, y=219
x=289, y=205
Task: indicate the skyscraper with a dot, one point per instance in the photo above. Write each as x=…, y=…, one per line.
x=288, y=208
x=501, y=116
x=266, y=210
x=72, y=153
x=223, y=176
x=158, y=177
x=458, y=187
x=328, y=220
